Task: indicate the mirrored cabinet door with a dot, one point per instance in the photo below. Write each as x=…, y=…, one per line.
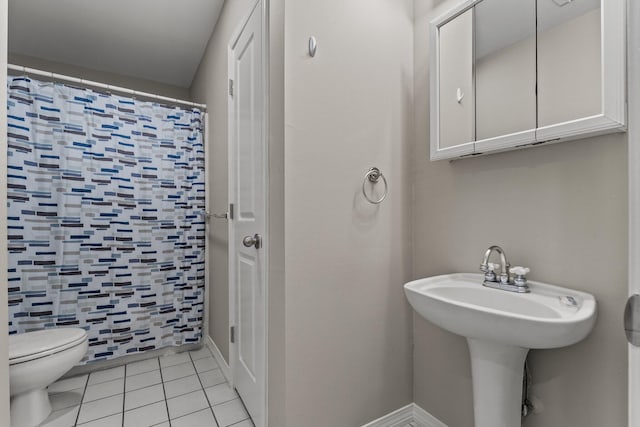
x=505, y=68
x=508, y=74
x=455, y=104
x=569, y=60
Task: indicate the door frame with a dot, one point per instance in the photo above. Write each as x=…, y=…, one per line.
x=262, y=5
x=4, y=305
x=633, y=40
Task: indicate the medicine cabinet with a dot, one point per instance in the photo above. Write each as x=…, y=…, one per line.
x=509, y=74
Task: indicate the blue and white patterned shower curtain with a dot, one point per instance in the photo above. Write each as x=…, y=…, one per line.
x=106, y=226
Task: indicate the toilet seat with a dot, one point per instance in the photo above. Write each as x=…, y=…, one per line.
x=34, y=345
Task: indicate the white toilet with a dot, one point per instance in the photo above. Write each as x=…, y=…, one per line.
x=36, y=360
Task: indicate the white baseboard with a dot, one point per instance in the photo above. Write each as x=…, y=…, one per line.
x=397, y=418
x=224, y=366
x=425, y=419
x=410, y=415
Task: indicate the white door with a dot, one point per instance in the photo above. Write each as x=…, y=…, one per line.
x=247, y=181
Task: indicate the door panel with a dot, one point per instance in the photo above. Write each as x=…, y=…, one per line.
x=248, y=285
x=247, y=151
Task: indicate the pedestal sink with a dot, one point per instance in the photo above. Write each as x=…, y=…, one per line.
x=500, y=328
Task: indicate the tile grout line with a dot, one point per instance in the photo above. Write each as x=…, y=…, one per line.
x=203, y=390
x=103, y=397
x=241, y=402
x=124, y=394
x=164, y=393
x=210, y=407
x=241, y=421
x=86, y=384
x=101, y=418
x=220, y=403
x=245, y=410
x=194, y=391
x=106, y=397
x=137, y=407
x=229, y=400
x=195, y=412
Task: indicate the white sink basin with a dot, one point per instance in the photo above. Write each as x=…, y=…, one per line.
x=500, y=328
x=539, y=319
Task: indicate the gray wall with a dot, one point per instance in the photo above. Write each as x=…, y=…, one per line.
x=101, y=76
x=561, y=210
x=348, y=325
x=210, y=87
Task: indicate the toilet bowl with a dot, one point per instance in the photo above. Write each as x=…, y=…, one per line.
x=36, y=360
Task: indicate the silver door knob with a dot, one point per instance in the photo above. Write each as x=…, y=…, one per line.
x=255, y=241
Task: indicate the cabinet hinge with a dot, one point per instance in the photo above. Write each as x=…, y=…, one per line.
x=230, y=210
x=232, y=334
x=230, y=87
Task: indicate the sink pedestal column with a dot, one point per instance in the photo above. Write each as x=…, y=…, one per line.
x=497, y=383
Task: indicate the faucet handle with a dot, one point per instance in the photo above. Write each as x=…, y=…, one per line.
x=519, y=271
x=491, y=266
x=489, y=271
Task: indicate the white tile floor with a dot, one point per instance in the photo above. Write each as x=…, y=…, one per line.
x=181, y=390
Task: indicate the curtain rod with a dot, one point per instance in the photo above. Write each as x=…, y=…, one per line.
x=108, y=87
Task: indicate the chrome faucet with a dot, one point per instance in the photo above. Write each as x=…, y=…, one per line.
x=504, y=281
x=504, y=268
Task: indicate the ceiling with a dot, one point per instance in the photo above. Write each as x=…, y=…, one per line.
x=159, y=40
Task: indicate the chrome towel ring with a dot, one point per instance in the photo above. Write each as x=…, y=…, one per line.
x=373, y=175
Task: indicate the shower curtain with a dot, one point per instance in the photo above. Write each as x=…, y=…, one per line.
x=106, y=217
